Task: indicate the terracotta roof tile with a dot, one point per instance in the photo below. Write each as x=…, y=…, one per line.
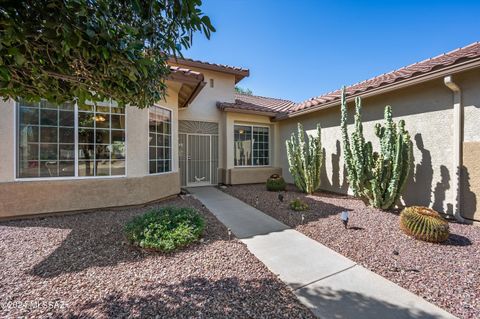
x=239, y=72
x=469, y=52
x=257, y=104
x=187, y=72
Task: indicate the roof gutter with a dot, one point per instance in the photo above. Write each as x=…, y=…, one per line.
x=457, y=146
x=467, y=65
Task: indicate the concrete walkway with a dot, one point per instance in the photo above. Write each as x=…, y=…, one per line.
x=331, y=285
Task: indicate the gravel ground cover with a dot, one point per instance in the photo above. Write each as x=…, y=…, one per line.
x=81, y=266
x=447, y=274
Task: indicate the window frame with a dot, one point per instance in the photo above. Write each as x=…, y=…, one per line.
x=171, y=142
x=62, y=178
x=269, y=144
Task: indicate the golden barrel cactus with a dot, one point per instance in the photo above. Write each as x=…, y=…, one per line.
x=424, y=223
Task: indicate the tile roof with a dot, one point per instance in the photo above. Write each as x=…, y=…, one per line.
x=239, y=72
x=280, y=109
x=256, y=103
x=186, y=72
x=466, y=53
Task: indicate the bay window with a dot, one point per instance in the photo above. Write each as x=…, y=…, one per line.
x=69, y=140
x=160, y=140
x=251, y=145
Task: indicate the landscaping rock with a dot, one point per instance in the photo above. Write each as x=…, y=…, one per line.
x=80, y=266
x=446, y=274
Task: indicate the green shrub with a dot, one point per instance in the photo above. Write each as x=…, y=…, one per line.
x=298, y=205
x=165, y=229
x=424, y=223
x=276, y=183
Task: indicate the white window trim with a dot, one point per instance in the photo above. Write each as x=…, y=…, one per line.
x=62, y=178
x=269, y=145
x=171, y=143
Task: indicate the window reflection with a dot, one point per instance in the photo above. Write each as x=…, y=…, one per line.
x=46, y=140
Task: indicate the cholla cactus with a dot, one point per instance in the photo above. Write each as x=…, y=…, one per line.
x=305, y=159
x=376, y=178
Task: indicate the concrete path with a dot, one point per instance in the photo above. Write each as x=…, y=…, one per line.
x=331, y=285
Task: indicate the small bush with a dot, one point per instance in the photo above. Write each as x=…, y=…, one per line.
x=297, y=205
x=165, y=229
x=276, y=183
x=424, y=223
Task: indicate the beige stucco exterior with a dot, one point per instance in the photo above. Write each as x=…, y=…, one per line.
x=41, y=197
x=427, y=109
x=246, y=175
x=20, y=197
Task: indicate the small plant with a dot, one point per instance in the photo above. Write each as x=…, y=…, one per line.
x=424, y=223
x=276, y=183
x=165, y=229
x=297, y=205
x=305, y=159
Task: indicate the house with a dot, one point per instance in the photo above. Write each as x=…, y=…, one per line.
x=57, y=158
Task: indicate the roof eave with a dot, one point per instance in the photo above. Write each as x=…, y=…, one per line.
x=239, y=74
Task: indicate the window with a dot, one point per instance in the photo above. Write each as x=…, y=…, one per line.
x=53, y=142
x=251, y=145
x=160, y=136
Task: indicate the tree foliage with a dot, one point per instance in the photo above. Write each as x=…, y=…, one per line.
x=243, y=91
x=94, y=50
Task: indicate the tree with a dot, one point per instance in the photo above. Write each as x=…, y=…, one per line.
x=243, y=91
x=63, y=50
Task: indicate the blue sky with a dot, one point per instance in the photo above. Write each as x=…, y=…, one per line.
x=300, y=49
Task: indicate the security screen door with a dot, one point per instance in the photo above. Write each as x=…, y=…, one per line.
x=199, y=160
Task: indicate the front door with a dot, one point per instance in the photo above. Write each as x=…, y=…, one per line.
x=198, y=160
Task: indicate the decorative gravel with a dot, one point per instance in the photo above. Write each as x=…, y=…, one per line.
x=80, y=266
x=447, y=274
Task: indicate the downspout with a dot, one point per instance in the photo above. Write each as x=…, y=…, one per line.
x=457, y=146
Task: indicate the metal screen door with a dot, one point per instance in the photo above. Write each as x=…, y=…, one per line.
x=199, y=160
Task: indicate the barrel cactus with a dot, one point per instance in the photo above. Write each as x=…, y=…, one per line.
x=424, y=223
x=376, y=178
x=276, y=183
x=305, y=159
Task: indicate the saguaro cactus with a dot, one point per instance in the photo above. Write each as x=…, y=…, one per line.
x=305, y=159
x=377, y=178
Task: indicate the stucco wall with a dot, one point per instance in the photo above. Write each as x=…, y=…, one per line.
x=7, y=141
x=251, y=175
x=23, y=197
x=427, y=110
x=39, y=197
x=204, y=106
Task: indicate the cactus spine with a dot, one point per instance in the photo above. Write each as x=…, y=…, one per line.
x=305, y=159
x=377, y=178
